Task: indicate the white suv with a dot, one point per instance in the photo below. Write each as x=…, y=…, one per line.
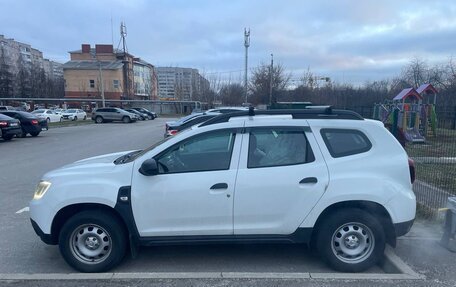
x=324, y=177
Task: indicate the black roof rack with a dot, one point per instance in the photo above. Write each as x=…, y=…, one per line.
x=311, y=112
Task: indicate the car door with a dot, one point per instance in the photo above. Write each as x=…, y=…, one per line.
x=281, y=177
x=192, y=194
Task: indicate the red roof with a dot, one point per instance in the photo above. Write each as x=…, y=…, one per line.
x=427, y=88
x=405, y=93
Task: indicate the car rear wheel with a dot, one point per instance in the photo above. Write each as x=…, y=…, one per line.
x=7, y=137
x=351, y=240
x=85, y=117
x=126, y=119
x=34, y=134
x=48, y=120
x=93, y=241
x=98, y=120
x=23, y=134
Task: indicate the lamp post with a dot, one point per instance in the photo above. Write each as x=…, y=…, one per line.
x=101, y=84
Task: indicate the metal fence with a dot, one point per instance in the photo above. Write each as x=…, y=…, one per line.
x=435, y=162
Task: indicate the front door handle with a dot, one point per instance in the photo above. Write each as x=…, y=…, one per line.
x=221, y=185
x=308, y=180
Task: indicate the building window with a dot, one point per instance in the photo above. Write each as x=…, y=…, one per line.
x=92, y=83
x=115, y=84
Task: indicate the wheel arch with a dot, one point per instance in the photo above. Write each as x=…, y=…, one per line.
x=68, y=211
x=373, y=208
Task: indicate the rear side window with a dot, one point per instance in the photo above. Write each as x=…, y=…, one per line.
x=345, y=142
x=278, y=146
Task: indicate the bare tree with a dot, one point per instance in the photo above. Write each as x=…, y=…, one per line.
x=232, y=94
x=6, y=77
x=260, y=83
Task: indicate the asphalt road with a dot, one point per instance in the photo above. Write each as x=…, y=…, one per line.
x=24, y=161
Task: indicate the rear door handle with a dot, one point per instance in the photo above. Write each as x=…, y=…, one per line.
x=308, y=180
x=221, y=185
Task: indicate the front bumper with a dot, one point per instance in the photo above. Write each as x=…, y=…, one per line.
x=46, y=238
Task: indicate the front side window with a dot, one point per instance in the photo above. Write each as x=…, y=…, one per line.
x=278, y=146
x=206, y=152
x=345, y=142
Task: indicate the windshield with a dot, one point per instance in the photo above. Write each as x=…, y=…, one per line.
x=144, y=151
x=70, y=111
x=38, y=111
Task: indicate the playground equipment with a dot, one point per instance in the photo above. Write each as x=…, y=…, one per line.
x=410, y=116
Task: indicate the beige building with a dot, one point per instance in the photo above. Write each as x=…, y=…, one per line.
x=93, y=70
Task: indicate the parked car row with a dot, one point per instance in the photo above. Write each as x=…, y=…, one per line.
x=103, y=115
x=172, y=128
x=19, y=123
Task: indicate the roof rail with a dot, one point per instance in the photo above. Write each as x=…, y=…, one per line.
x=311, y=112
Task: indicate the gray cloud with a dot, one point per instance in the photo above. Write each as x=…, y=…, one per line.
x=349, y=40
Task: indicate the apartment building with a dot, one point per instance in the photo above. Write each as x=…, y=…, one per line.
x=22, y=64
x=175, y=83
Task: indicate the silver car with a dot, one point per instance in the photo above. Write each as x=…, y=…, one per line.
x=102, y=115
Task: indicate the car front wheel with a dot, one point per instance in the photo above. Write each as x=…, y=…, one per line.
x=351, y=240
x=126, y=120
x=92, y=241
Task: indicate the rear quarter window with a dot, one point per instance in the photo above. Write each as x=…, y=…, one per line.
x=345, y=142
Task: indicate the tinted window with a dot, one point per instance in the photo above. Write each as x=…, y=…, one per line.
x=209, y=151
x=343, y=142
x=277, y=147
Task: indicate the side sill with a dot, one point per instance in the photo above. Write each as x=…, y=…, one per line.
x=301, y=235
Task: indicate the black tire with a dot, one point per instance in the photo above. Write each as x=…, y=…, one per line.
x=86, y=233
x=48, y=120
x=7, y=137
x=85, y=117
x=75, y=118
x=126, y=120
x=23, y=134
x=362, y=236
x=99, y=120
x=34, y=134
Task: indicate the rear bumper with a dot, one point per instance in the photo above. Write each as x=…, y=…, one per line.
x=403, y=228
x=12, y=131
x=32, y=128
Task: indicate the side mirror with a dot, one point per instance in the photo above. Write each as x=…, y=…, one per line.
x=149, y=167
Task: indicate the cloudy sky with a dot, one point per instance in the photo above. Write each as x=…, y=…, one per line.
x=349, y=41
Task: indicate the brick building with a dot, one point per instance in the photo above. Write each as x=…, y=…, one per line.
x=103, y=68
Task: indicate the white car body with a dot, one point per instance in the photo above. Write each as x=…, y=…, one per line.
x=47, y=114
x=74, y=114
x=257, y=201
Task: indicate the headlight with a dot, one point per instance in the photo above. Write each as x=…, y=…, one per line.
x=41, y=189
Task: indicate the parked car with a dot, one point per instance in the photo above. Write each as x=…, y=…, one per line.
x=9, y=127
x=172, y=128
x=47, y=114
x=152, y=115
x=74, y=114
x=226, y=110
x=58, y=111
x=102, y=115
x=141, y=116
x=30, y=124
x=324, y=177
x=7, y=108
